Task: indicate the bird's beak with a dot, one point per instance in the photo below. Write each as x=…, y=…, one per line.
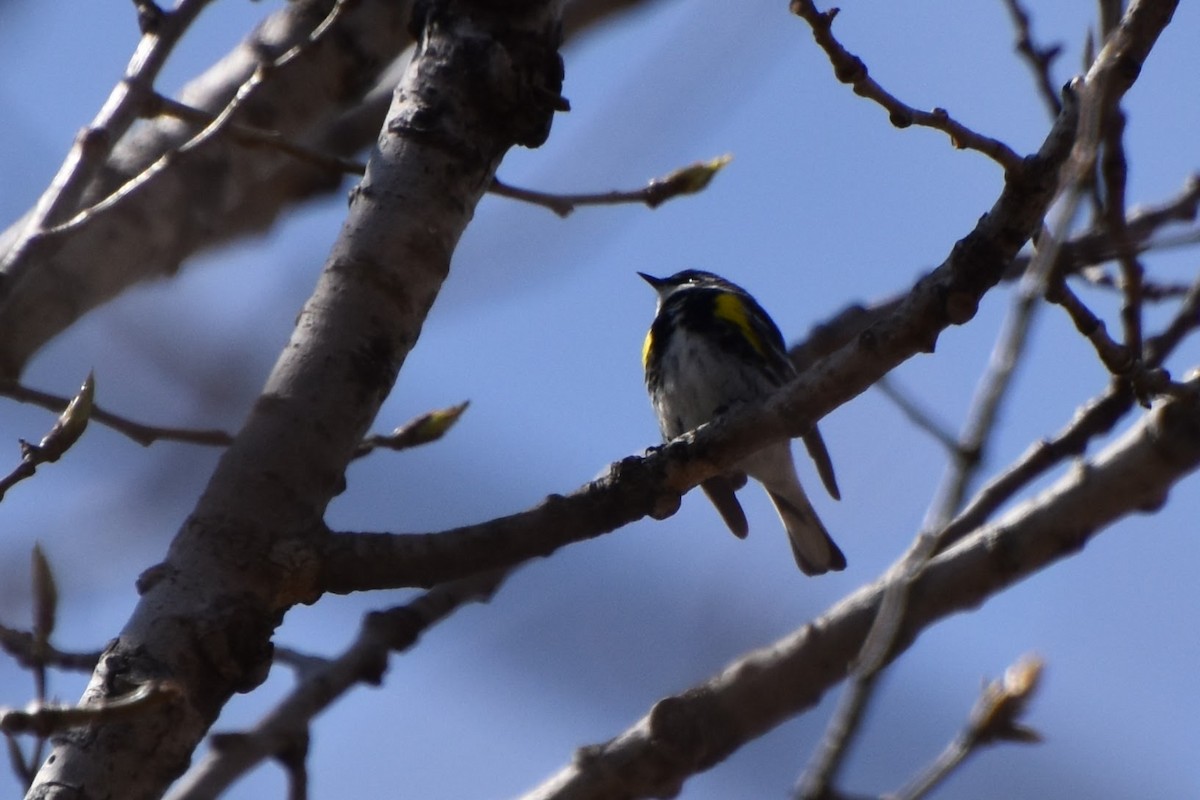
x=657, y=283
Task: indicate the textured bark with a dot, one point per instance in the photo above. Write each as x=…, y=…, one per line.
x=481, y=81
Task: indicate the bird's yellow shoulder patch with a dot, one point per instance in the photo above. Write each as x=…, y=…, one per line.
x=730, y=308
x=646, y=348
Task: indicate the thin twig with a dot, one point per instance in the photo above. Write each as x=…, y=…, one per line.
x=429, y=427
x=1097, y=418
x=94, y=143
x=686, y=180
x=66, y=430
x=424, y=429
x=850, y=69
x=141, y=433
x=917, y=415
x=1039, y=59
x=1116, y=358
x=996, y=717
x=1114, y=171
x=252, y=136
x=19, y=645
x=1152, y=291
x=219, y=124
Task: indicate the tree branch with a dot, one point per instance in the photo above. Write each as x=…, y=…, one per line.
x=850, y=69
x=364, y=661
x=996, y=717
x=652, y=485
x=139, y=432
x=47, y=285
x=20, y=645
x=481, y=81
x=693, y=731
x=94, y=143
x=321, y=100
x=1081, y=250
x=1040, y=59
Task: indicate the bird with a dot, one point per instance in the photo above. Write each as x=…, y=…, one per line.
x=711, y=348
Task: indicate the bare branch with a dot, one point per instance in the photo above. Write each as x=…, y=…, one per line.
x=1080, y=251
x=141, y=433
x=120, y=111
x=1040, y=59
x=917, y=415
x=1095, y=419
x=252, y=136
x=1152, y=291
x=364, y=661
x=651, y=486
x=685, y=180
x=850, y=69
x=1115, y=357
x=484, y=80
x=324, y=100
x=1101, y=93
x=212, y=130
x=428, y=427
x=693, y=731
x=47, y=285
x=996, y=717
x=20, y=645
x=67, y=429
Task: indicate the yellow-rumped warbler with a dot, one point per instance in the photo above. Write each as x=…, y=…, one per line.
x=710, y=348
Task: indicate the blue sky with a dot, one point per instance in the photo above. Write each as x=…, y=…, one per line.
x=540, y=325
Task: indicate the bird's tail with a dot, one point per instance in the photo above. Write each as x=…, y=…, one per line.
x=814, y=549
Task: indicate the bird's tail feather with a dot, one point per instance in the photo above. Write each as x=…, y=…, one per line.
x=720, y=490
x=815, y=551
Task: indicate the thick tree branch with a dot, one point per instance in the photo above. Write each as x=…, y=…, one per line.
x=364, y=661
x=695, y=730
x=481, y=81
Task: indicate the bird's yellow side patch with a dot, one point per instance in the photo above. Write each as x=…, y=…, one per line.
x=646, y=348
x=730, y=308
